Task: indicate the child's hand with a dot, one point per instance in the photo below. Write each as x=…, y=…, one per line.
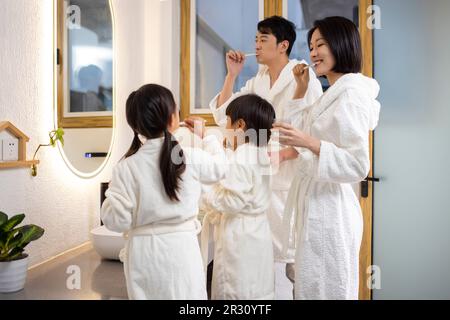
x=196, y=125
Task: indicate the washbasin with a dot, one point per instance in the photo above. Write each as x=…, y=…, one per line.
x=107, y=243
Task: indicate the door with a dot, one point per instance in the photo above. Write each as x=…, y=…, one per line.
x=412, y=150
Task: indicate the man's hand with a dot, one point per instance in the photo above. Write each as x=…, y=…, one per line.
x=235, y=62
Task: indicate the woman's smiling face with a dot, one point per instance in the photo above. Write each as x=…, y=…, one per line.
x=321, y=55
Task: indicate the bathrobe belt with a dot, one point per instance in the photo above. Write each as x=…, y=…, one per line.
x=190, y=225
x=217, y=220
x=296, y=209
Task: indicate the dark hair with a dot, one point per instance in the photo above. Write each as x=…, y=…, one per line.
x=257, y=113
x=281, y=28
x=344, y=41
x=148, y=113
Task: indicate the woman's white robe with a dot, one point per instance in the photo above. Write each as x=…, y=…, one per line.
x=163, y=262
x=327, y=212
x=237, y=208
x=279, y=96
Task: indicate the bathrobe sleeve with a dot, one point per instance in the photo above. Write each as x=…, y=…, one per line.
x=296, y=108
x=209, y=163
x=117, y=209
x=220, y=112
x=233, y=193
x=346, y=158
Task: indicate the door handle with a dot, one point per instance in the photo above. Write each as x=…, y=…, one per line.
x=365, y=186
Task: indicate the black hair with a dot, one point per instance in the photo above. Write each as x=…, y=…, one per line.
x=257, y=113
x=148, y=111
x=344, y=41
x=281, y=28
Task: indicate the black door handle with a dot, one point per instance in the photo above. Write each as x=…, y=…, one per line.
x=365, y=186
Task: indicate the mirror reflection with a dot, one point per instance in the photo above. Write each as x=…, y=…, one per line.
x=215, y=36
x=85, y=62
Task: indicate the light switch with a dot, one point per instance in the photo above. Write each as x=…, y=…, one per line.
x=10, y=148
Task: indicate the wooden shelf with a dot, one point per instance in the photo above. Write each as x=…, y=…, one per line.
x=17, y=164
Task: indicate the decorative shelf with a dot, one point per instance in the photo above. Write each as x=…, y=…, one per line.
x=22, y=148
x=18, y=164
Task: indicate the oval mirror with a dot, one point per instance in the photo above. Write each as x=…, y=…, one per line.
x=84, y=82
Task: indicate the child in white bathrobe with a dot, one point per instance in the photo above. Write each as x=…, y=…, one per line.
x=153, y=197
x=237, y=207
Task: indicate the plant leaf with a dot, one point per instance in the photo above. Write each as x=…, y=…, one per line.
x=15, y=253
x=29, y=233
x=3, y=218
x=11, y=223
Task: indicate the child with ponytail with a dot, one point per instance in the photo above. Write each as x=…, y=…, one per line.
x=153, y=198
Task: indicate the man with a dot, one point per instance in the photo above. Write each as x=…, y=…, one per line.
x=274, y=82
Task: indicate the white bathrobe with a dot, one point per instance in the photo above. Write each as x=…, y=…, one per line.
x=162, y=255
x=237, y=209
x=327, y=212
x=279, y=96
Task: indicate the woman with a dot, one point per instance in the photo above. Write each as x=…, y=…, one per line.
x=333, y=149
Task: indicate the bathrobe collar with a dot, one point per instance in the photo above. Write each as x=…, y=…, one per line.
x=365, y=90
x=153, y=144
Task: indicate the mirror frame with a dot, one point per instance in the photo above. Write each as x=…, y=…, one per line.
x=74, y=122
x=275, y=7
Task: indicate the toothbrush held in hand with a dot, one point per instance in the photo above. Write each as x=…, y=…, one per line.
x=310, y=66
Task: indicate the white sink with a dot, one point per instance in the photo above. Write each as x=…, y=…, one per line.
x=107, y=243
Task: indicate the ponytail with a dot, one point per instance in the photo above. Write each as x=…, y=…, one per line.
x=135, y=145
x=148, y=112
x=171, y=169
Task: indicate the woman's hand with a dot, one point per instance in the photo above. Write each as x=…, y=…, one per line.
x=286, y=154
x=290, y=136
x=301, y=76
x=196, y=125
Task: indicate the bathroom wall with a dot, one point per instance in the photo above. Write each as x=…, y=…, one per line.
x=65, y=205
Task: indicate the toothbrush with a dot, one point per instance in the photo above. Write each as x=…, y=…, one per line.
x=310, y=66
x=250, y=54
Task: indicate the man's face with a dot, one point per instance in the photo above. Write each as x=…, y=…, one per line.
x=267, y=48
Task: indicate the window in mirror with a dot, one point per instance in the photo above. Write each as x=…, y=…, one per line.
x=85, y=63
x=209, y=29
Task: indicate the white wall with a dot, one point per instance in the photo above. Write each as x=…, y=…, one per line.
x=66, y=206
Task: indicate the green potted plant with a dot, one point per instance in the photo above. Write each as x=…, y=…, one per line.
x=54, y=135
x=13, y=260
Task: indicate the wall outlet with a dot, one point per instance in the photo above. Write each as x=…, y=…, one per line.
x=10, y=148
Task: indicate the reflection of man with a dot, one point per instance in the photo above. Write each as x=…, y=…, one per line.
x=89, y=97
x=274, y=82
